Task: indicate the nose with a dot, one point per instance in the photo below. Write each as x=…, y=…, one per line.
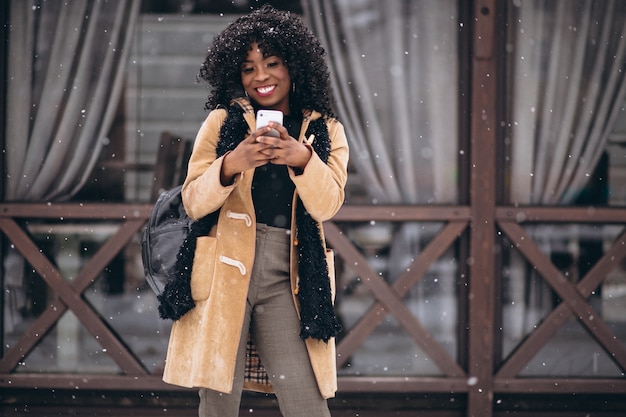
x=261, y=74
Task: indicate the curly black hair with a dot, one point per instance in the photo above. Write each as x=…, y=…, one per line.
x=278, y=33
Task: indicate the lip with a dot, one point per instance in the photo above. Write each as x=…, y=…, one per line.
x=265, y=90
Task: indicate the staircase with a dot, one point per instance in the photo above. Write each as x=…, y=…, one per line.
x=162, y=93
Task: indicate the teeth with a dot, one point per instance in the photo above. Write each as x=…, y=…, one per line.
x=265, y=90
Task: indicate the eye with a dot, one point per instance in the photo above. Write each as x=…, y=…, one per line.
x=247, y=70
x=272, y=64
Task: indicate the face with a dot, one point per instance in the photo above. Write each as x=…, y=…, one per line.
x=266, y=80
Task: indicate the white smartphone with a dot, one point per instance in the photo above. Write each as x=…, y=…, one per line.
x=263, y=117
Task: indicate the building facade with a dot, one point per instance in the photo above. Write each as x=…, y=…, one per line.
x=481, y=252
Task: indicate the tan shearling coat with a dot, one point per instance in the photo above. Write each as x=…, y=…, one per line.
x=203, y=343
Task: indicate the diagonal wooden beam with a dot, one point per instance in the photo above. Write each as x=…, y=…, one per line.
x=557, y=318
x=90, y=271
x=428, y=255
x=375, y=315
x=388, y=301
x=70, y=297
x=574, y=301
x=30, y=338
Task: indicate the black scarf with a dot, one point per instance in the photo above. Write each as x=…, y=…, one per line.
x=317, y=316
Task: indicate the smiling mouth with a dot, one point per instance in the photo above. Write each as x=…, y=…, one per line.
x=266, y=90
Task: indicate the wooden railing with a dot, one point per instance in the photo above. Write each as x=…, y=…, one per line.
x=574, y=296
x=389, y=298
x=129, y=219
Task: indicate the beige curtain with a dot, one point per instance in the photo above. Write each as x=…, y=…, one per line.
x=568, y=87
x=66, y=69
x=395, y=76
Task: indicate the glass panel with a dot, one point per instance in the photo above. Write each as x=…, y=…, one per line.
x=163, y=93
x=572, y=352
x=528, y=299
x=133, y=315
x=119, y=295
x=389, y=352
x=395, y=67
x=565, y=101
x=68, y=348
x=433, y=300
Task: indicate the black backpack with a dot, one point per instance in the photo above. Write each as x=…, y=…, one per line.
x=162, y=238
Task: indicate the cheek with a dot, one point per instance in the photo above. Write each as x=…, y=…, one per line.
x=283, y=73
x=286, y=77
x=245, y=80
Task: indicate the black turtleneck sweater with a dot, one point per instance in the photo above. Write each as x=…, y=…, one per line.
x=272, y=189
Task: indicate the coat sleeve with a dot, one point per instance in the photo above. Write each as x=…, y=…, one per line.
x=203, y=192
x=320, y=185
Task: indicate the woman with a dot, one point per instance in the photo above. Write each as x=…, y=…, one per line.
x=260, y=292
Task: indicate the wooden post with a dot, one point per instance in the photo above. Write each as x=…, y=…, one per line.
x=482, y=208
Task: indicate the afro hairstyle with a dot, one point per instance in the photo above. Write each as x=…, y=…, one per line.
x=278, y=33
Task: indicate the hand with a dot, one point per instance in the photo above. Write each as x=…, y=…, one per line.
x=245, y=156
x=283, y=150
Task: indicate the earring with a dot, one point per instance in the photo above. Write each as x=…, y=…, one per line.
x=246, y=93
x=293, y=87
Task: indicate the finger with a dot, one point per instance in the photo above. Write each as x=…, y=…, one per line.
x=271, y=153
x=282, y=130
x=259, y=132
x=252, y=138
x=276, y=160
x=270, y=141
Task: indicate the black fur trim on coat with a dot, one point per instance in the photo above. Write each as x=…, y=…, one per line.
x=317, y=315
x=175, y=300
